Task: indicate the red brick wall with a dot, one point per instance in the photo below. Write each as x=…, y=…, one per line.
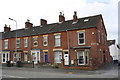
x=90, y=40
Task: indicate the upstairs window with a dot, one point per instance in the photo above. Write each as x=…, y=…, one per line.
x=17, y=43
x=25, y=42
x=81, y=38
x=57, y=40
x=45, y=40
x=99, y=36
x=101, y=23
x=103, y=38
x=6, y=44
x=35, y=41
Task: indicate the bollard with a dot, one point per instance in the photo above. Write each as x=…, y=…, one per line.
x=33, y=64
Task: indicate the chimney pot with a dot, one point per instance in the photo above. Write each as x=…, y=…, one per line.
x=7, y=28
x=28, y=24
x=43, y=21
x=75, y=16
x=61, y=17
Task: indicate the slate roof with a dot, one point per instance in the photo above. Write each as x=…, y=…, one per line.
x=111, y=42
x=54, y=27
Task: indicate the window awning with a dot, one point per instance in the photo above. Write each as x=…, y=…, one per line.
x=82, y=47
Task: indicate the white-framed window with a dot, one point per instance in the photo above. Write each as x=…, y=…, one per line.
x=6, y=44
x=57, y=56
x=5, y=57
x=81, y=38
x=17, y=43
x=57, y=40
x=83, y=57
x=25, y=42
x=45, y=40
x=99, y=36
x=35, y=41
x=17, y=57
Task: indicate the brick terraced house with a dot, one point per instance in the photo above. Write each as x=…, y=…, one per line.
x=80, y=43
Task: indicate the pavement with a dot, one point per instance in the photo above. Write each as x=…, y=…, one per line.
x=108, y=71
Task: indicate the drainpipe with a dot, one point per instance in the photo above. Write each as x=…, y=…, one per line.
x=30, y=44
x=68, y=38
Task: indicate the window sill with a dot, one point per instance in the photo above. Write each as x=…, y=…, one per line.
x=35, y=46
x=57, y=62
x=84, y=65
x=5, y=48
x=45, y=45
x=82, y=44
x=57, y=46
x=17, y=47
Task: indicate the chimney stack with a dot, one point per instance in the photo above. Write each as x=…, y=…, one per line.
x=61, y=17
x=75, y=16
x=28, y=24
x=6, y=29
x=43, y=21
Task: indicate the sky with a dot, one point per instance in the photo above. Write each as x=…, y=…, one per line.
x=119, y=23
x=34, y=10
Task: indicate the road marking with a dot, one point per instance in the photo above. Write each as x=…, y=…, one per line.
x=12, y=76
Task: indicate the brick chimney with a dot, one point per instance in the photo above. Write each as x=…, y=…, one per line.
x=61, y=17
x=6, y=29
x=28, y=24
x=43, y=22
x=75, y=16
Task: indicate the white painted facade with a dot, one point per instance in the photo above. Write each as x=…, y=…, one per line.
x=114, y=51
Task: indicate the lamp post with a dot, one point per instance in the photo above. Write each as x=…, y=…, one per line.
x=15, y=22
x=16, y=31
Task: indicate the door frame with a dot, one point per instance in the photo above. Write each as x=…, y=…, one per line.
x=25, y=55
x=44, y=56
x=35, y=51
x=68, y=58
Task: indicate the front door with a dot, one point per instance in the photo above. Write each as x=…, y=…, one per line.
x=25, y=56
x=35, y=55
x=45, y=56
x=66, y=58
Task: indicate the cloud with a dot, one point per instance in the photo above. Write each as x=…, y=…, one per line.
x=49, y=9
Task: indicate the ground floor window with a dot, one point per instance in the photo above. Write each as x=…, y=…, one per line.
x=5, y=57
x=35, y=55
x=57, y=56
x=83, y=57
x=17, y=57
